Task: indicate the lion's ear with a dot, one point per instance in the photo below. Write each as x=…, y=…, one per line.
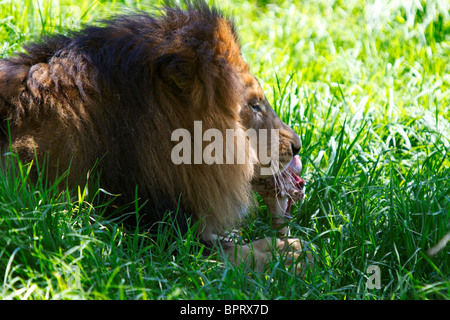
x=187, y=78
x=175, y=70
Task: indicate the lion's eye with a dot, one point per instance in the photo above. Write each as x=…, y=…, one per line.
x=255, y=107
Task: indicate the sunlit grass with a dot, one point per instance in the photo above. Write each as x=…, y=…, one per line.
x=365, y=84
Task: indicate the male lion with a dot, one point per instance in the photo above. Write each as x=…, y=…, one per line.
x=111, y=96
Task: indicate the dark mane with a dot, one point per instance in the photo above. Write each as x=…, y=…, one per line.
x=128, y=51
x=115, y=92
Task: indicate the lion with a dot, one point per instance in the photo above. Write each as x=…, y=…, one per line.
x=112, y=95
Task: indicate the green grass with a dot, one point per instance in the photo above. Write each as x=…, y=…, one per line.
x=368, y=89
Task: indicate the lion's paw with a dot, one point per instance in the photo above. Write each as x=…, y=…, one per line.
x=296, y=254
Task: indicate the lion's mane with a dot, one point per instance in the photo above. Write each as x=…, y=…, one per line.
x=114, y=93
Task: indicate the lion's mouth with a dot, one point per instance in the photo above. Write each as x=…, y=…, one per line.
x=287, y=183
x=282, y=190
x=294, y=185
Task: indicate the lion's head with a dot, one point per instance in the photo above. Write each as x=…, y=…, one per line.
x=114, y=95
x=257, y=113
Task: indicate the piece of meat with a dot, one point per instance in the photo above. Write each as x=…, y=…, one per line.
x=281, y=191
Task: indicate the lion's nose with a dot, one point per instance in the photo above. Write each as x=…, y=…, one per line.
x=295, y=148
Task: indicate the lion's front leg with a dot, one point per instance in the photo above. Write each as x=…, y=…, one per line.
x=258, y=253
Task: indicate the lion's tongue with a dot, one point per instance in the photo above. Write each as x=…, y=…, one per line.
x=296, y=164
x=296, y=167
